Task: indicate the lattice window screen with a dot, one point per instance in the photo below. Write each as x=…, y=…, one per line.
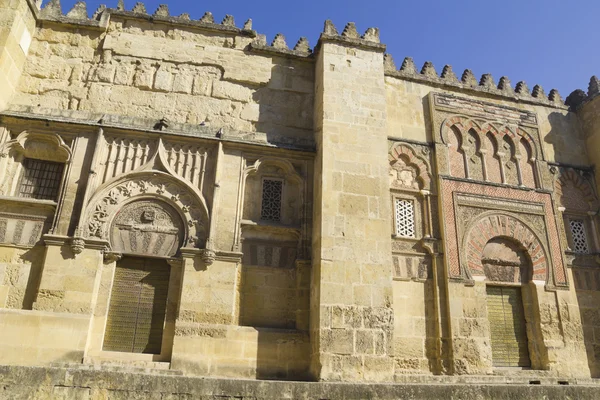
x=271, y=200
x=580, y=244
x=41, y=179
x=405, y=218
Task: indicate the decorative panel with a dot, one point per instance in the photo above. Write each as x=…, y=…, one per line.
x=405, y=218
x=580, y=244
x=271, y=200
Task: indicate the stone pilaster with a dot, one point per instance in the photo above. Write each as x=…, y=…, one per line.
x=17, y=27
x=351, y=313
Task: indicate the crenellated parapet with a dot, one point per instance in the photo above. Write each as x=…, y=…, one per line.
x=468, y=81
x=350, y=36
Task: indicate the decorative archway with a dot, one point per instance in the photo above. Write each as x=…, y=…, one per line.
x=153, y=186
x=404, y=159
x=497, y=225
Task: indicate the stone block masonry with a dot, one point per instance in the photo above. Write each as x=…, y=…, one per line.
x=187, y=211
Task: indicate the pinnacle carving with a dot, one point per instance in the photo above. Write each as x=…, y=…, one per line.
x=162, y=11
x=99, y=11
x=330, y=29
x=505, y=85
x=429, y=70
x=302, y=45
x=594, y=86
x=408, y=66
x=207, y=18
x=350, y=31
x=468, y=78
x=79, y=11
x=279, y=42
x=372, y=35
x=538, y=92
x=228, y=21
x=121, y=5
x=487, y=81
x=555, y=97
x=185, y=17
x=522, y=88
x=448, y=74
x=388, y=63
x=52, y=9
x=139, y=8
x=248, y=25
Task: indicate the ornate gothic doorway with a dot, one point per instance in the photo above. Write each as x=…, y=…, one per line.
x=137, y=309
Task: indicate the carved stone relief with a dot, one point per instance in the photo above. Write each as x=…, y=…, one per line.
x=159, y=186
x=21, y=230
x=148, y=227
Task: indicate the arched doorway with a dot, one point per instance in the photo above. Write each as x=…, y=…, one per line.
x=147, y=232
x=507, y=267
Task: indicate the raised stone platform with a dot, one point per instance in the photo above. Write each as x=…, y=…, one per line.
x=89, y=383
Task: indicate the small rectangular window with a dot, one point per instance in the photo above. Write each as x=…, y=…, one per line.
x=580, y=244
x=271, y=200
x=405, y=218
x=40, y=179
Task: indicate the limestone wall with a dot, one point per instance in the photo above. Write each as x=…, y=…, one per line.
x=409, y=118
x=17, y=26
x=146, y=69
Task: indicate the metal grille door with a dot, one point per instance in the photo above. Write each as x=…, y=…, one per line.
x=137, y=309
x=507, y=326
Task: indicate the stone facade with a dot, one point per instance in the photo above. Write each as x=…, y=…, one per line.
x=305, y=214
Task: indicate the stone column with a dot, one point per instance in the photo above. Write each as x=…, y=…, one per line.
x=351, y=292
x=17, y=27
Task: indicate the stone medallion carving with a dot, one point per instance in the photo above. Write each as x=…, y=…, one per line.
x=147, y=227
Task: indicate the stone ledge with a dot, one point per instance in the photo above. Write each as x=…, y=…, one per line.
x=92, y=384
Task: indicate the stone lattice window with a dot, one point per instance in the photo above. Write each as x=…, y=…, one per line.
x=580, y=244
x=405, y=218
x=271, y=200
x=41, y=179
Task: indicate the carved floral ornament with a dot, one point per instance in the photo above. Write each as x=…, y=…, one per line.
x=154, y=182
x=463, y=125
x=408, y=169
x=48, y=147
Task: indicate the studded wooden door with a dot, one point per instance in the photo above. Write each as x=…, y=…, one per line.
x=507, y=327
x=137, y=308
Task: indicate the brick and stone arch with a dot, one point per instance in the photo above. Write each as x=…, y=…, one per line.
x=574, y=192
x=493, y=226
x=408, y=169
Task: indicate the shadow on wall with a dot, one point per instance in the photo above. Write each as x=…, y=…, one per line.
x=284, y=106
x=566, y=138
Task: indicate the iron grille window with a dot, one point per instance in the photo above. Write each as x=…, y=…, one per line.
x=271, y=200
x=41, y=179
x=405, y=218
x=580, y=244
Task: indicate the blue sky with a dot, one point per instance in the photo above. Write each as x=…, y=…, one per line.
x=548, y=42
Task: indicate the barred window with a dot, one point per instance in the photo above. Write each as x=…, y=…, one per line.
x=40, y=179
x=405, y=218
x=580, y=244
x=271, y=200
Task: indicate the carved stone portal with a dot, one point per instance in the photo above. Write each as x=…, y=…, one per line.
x=147, y=227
